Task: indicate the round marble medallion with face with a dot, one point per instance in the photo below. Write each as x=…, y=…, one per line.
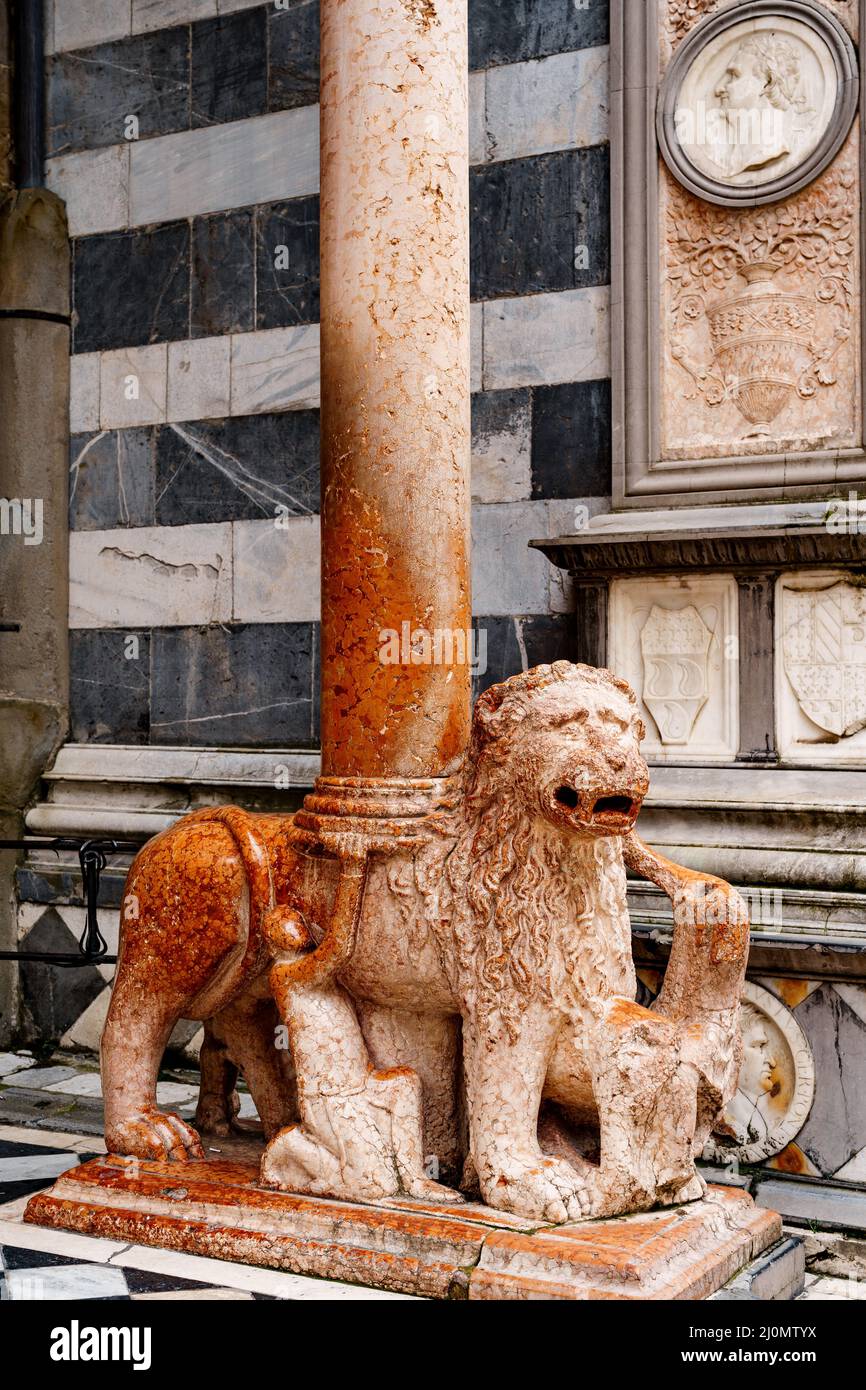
x=776, y=1085
x=758, y=100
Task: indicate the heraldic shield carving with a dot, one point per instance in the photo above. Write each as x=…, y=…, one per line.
x=825, y=655
x=675, y=644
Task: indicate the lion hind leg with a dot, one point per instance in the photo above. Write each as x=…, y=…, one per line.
x=131, y=1051
x=361, y=1132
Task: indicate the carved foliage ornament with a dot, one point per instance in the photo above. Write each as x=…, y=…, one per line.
x=758, y=101
x=768, y=342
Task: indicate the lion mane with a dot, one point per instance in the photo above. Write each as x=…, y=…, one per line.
x=515, y=914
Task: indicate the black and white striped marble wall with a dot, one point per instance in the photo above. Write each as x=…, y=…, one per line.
x=183, y=134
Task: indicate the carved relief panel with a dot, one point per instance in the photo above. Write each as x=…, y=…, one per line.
x=821, y=668
x=776, y=1087
x=676, y=642
x=739, y=372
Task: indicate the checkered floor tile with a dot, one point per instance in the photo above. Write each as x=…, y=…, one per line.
x=40, y=1264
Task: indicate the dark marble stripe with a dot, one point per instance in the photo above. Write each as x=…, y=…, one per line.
x=262, y=59
x=242, y=468
x=229, y=68
x=223, y=274
x=111, y=479
x=293, y=55
x=287, y=263
x=131, y=288
x=517, y=30
x=510, y=645
x=238, y=686
x=109, y=685
x=92, y=94
x=571, y=440
x=540, y=224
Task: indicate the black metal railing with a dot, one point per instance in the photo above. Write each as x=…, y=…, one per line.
x=92, y=857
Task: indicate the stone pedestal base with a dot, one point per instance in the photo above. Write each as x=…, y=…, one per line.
x=215, y=1207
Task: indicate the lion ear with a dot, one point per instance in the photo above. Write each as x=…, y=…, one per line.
x=495, y=716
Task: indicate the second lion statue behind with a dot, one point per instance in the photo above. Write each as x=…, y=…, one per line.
x=436, y=996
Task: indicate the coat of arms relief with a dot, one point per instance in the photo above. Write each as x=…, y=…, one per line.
x=824, y=646
x=675, y=645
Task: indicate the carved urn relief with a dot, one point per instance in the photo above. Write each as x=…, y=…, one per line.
x=759, y=229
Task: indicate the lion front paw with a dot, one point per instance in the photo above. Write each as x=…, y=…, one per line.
x=153, y=1134
x=537, y=1187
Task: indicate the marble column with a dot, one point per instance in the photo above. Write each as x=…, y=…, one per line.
x=396, y=608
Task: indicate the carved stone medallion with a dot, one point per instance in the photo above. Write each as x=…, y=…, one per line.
x=758, y=101
x=675, y=644
x=824, y=646
x=776, y=1086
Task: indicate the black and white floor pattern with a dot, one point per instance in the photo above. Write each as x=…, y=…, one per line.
x=40, y=1264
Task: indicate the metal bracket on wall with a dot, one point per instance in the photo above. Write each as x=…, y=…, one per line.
x=92, y=855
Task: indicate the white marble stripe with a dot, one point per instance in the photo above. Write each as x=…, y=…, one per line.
x=74, y=24
x=270, y=574
x=35, y=1167
x=48, y=1283
x=535, y=340
x=52, y=1139
x=516, y=111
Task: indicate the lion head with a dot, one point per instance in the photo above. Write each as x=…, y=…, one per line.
x=570, y=739
x=528, y=890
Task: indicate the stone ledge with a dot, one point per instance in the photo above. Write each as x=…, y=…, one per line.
x=745, y=538
x=215, y=1208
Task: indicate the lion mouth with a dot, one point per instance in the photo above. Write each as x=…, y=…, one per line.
x=615, y=813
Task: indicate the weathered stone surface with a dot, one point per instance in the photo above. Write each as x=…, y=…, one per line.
x=259, y=160
x=544, y=339
x=161, y=14
x=571, y=440
x=277, y=571
x=223, y=275
x=244, y=468
x=95, y=188
x=277, y=369
x=498, y=532
x=84, y=392
x=199, y=379
x=109, y=686
x=150, y=576
x=229, y=68
x=555, y=104
x=132, y=386
x=238, y=685
x=836, y=1128
x=78, y=23
x=501, y=435
x=448, y=1252
x=131, y=288
x=111, y=479
x=92, y=95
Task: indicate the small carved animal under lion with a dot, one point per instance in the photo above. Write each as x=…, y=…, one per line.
x=440, y=999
